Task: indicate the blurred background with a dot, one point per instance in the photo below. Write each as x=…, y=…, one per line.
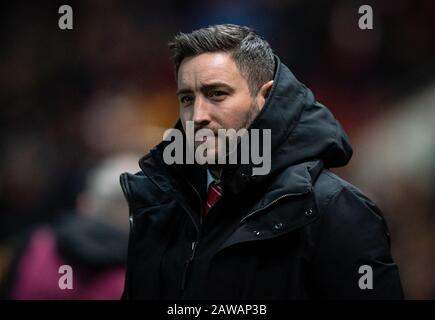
x=78, y=107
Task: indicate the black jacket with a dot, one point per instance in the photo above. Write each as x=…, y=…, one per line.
x=299, y=232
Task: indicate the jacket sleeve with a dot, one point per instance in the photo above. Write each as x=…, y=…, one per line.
x=351, y=257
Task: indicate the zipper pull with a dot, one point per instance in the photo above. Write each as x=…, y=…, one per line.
x=187, y=265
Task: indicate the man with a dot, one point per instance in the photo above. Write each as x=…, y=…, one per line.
x=220, y=232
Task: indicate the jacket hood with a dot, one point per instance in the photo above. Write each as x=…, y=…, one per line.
x=302, y=128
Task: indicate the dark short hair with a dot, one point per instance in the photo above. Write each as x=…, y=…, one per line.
x=251, y=53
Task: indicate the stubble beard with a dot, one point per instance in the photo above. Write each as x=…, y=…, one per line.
x=253, y=112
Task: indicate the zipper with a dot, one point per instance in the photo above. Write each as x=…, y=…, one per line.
x=200, y=202
x=187, y=265
x=126, y=190
x=189, y=261
x=287, y=195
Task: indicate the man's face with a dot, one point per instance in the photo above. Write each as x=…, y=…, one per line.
x=213, y=94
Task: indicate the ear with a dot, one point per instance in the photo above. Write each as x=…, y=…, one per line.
x=263, y=93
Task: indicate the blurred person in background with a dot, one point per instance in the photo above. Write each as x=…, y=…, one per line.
x=92, y=240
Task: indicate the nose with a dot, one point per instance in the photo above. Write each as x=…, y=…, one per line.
x=201, y=113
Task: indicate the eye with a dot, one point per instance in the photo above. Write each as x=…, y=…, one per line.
x=217, y=94
x=186, y=99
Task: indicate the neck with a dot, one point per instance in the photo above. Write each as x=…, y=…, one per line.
x=216, y=171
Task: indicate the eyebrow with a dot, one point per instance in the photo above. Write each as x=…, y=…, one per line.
x=207, y=87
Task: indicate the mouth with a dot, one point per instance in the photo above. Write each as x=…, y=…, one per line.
x=206, y=138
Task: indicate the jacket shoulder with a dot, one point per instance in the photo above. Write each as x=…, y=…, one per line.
x=140, y=190
x=330, y=188
x=346, y=210
x=350, y=233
